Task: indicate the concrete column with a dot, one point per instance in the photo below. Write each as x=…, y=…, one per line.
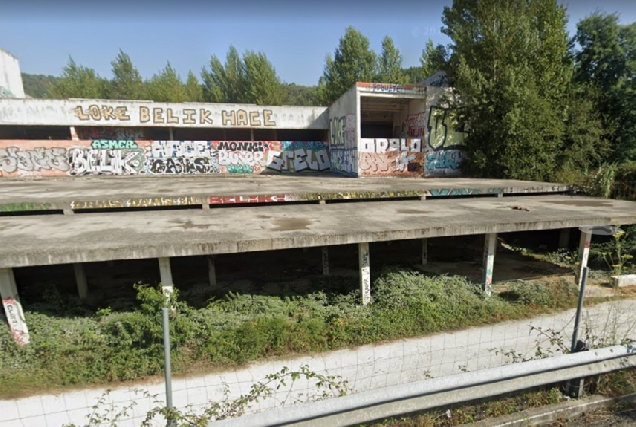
x=166, y=275
x=364, y=258
x=171, y=134
x=422, y=198
x=68, y=211
x=322, y=202
x=500, y=195
x=251, y=134
x=74, y=136
x=212, y=271
x=424, y=252
x=12, y=306
x=584, y=254
x=490, y=244
x=325, y=260
x=80, y=279
x=564, y=238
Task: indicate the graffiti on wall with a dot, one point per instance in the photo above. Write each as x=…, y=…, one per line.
x=391, y=88
x=343, y=145
x=169, y=116
x=416, y=125
x=130, y=157
x=444, y=153
x=395, y=156
x=299, y=156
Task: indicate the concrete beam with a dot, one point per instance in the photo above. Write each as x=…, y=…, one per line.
x=80, y=280
x=13, y=307
x=490, y=245
x=364, y=258
x=212, y=271
x=564, y=238
x=166, y=275
x=584, y=254
x=325, y=260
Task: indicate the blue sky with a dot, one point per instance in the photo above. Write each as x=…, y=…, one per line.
x=296, y=37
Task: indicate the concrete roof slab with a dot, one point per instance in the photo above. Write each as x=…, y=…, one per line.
x=60, y=239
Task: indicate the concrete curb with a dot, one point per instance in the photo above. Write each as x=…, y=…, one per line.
x=551, y=413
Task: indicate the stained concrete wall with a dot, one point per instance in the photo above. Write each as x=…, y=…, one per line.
x=10, y=77
x=444, y=138
x=344, y=131
x=135, y=156
x=95, y=112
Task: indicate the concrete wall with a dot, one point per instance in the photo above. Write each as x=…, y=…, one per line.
x=444, y=139
x=147, y=113
x=10, y=77
x=132, y=157
x=344, y=130
x=402, y=155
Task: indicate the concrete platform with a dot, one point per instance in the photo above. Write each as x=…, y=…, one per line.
x=76, y=194
x=60, y=239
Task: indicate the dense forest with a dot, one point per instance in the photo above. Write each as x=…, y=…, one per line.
x=536, y=102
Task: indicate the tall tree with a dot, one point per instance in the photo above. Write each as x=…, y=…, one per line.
x=262, y=84
x=390, y=64
x=127, y=82
x=225, y=83
x=433, y=59
x=193, y=89
x=166, y=86
x=606, y=66
x=511, y=72
x=78, y=81
x=353, y=61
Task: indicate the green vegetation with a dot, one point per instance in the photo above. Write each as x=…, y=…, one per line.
x=73, y=347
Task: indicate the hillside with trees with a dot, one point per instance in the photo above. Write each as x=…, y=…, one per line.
x=536, y=103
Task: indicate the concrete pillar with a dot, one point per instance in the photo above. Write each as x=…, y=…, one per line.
x=80, y=279
x=564, y=238
x=251, y=134
x=500, y=195
x=490, y=244
x=322, y=202
x=422, y=198
x=584, y=254
x=74, y=136
x=171, y=134
x=12, y=306
x=166, y=275
x=212, y=271
x=325, y=260
x=424, y=252
x=68, y=211
x=364, y=258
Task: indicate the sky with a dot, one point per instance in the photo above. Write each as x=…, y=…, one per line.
x=295, y=36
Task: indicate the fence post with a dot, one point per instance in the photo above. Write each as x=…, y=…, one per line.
x=167, y=370
x=574, y=387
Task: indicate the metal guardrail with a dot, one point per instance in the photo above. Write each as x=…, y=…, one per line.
x=378, y=404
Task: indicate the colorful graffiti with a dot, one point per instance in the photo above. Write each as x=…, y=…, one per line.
x=132, y=157
x=343, y=145
x=388, y=157
x=444, y=153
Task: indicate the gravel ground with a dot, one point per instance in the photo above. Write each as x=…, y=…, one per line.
x=625, y=418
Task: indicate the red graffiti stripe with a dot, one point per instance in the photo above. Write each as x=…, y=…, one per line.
x=225, y=200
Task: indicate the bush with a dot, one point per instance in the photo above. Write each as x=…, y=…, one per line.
x=112, y=346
